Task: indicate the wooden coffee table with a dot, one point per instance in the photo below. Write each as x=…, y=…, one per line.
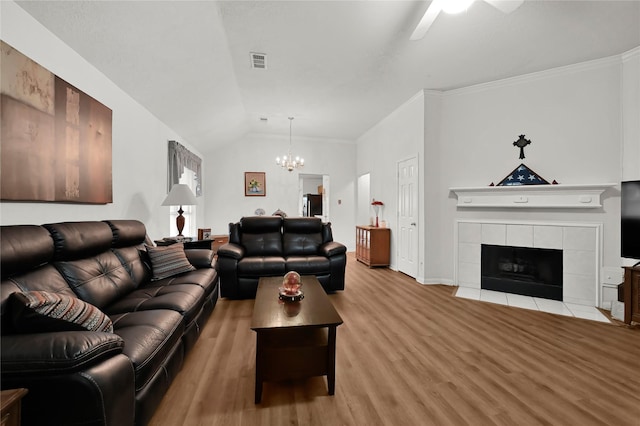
x=294, y=340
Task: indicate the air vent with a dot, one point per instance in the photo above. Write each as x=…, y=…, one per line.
x=258, y=60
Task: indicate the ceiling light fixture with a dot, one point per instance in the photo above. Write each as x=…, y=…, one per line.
x=288, y=162
x=455, y=6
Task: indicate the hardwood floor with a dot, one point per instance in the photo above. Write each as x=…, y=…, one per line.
x=409, y=354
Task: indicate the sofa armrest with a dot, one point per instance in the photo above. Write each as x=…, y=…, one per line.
x=200, y=258
x=332, y=248
x=231, y=250
x=57, y=352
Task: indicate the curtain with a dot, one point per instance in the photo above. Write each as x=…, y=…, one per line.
x=179, y=158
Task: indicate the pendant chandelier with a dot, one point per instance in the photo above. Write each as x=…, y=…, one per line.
x=288, y=162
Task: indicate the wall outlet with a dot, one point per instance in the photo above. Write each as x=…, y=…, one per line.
x=609, y=275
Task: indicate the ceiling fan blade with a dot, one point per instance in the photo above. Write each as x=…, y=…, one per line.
x=505, y=6
x=425, y=23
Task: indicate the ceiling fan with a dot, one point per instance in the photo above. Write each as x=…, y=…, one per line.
x=455, y=6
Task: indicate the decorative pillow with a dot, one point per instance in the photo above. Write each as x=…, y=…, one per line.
x=168, y=261
x=41, y=311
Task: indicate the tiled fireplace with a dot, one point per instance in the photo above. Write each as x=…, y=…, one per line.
x=579, y=244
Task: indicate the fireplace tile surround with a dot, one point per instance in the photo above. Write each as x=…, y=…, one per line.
x=533, y=303
x=580, y=244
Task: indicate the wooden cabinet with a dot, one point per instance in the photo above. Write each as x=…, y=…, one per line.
x=631, y=294
x=218, y=240
x=10, y=411
x=373, y=245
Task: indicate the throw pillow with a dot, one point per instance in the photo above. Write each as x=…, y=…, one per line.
x=41, y=311
x=168, y=261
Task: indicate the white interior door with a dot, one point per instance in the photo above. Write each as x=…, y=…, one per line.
x=408, y=217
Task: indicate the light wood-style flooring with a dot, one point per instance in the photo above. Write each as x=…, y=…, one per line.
x=409, y=354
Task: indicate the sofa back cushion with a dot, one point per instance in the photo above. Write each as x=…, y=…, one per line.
x=127, y=233
x=261, y=235
x=85, y=260
x=24, y=247
x=78, y=240
x=129, y=238
x=302, y=236
x=99, y=280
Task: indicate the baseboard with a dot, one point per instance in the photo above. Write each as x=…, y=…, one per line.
x=434, y=281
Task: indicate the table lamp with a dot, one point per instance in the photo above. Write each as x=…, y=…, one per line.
x=180, y=195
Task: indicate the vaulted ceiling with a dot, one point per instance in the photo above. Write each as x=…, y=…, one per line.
x=338, y=67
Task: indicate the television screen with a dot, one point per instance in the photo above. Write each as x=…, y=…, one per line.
x=630, y=224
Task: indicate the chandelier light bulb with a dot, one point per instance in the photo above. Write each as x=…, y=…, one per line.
x=287, y=161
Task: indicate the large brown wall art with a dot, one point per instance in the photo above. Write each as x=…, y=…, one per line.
x=55, y=140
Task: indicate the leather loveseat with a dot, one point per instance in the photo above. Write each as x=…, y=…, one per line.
x=116, y=375
x=267, y=246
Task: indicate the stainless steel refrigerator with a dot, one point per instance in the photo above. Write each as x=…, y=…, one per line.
x=312, y=204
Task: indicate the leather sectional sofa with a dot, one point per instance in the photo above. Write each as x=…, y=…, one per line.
x=267, y=246
x=118, y=374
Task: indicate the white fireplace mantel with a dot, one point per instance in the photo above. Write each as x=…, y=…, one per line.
x=533, y=196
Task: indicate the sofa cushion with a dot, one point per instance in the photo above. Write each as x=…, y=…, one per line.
x=24, y=247
x=79, y=240
x=308, y=265
x=302, y=225
x=100, y=279
x=301, y=244
x=261, y=235
x=267, y=244
x=149, y=338
x=187, y=299
x=259, y=266
x=127, y=232
x=302, y=236
x=168, y=261
x=41, y=311
x=136, y=261
x=205, y=278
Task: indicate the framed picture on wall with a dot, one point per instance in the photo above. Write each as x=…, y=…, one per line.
x=255, y=184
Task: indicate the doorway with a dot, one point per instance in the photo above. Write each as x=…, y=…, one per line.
x=313, y=196
x=364, y=199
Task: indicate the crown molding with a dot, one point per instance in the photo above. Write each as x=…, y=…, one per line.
x=539, y=75
x=631, y=54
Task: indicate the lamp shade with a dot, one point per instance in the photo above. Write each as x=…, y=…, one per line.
x=180, y=195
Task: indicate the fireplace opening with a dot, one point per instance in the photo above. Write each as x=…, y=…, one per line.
x=522, y=270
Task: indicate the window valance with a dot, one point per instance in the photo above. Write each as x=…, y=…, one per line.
x=179, y=158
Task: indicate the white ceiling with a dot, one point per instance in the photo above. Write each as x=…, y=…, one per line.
x=338, y=67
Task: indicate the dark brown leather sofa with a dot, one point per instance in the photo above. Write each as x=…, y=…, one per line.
x=268, y=246
x=97, y=377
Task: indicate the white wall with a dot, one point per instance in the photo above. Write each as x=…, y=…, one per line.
x=310, y=184
x=226, y=202
x=139, y=140
x=397, y=137
x=631, y=115
x=582, y=120
x=573, y=117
